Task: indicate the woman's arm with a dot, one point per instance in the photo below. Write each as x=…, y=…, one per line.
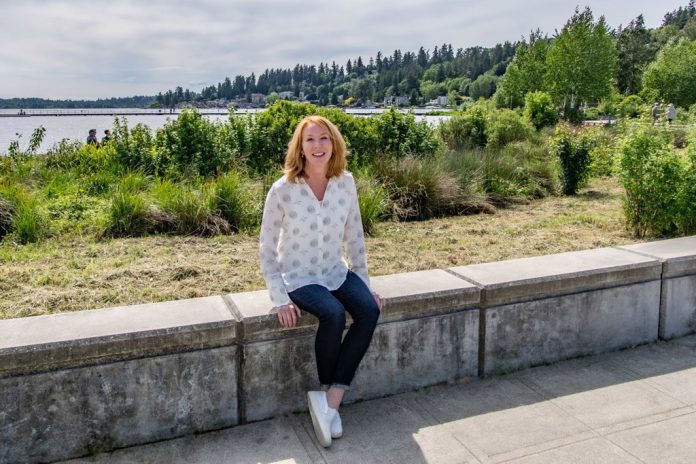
x=268, y=249
x=354, y=236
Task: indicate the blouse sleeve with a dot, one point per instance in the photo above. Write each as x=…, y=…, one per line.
x=354, y=237
x=268, y=248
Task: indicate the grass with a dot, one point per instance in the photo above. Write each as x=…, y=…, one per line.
x=80, y=272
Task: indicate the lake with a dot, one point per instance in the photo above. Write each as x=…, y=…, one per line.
x=74, y=124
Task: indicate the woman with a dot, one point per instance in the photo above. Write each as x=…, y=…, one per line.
x=310, y=213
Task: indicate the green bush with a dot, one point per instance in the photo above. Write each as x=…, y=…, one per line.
x=505, y=126
x=574, y=155
x=652, y=175
x=7, y=213
x=134, y=149
x=465, y=130
x=400, y=134
x=631, y=107
x=191, y=144
x=540, y=109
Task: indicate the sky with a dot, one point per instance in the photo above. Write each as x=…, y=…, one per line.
x=88, y=49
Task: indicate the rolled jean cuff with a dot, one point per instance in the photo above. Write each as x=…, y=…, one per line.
x=342, y=386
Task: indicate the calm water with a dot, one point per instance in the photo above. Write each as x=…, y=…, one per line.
x=74, y=126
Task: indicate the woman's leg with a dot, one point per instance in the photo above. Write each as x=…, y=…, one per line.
x=318, y=301
x=357, y=299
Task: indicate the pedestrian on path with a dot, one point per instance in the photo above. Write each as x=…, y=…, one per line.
x=309, y=215
x=655, y=112
x=671, y=113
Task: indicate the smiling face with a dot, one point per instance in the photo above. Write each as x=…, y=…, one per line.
x=317, y=148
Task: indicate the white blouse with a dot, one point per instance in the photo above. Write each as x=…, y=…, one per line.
x=301, y=237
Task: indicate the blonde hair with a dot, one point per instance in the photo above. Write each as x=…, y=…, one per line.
x=294, y=160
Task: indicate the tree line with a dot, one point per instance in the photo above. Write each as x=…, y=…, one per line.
x=415, y=75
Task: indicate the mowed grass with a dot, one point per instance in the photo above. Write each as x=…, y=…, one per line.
x=75, y=274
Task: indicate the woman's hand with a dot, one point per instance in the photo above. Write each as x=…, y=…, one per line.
x=379, y=300
x=288, y=315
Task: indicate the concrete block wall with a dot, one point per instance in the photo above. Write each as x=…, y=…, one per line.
x=74, y=384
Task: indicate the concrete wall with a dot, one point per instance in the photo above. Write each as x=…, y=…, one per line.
x=77, y=383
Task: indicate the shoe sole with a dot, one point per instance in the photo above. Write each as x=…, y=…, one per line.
x=323, y=433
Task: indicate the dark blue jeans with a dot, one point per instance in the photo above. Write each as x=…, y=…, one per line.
x=338, y=360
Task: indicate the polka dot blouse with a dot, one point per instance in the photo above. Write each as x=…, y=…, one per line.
x=302, y=238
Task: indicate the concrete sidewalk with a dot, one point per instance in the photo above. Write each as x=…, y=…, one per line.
x=633, y=406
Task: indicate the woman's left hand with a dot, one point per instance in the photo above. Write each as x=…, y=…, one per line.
x=379, y=300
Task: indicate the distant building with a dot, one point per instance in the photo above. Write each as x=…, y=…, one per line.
x=285, y=95
x=397, y=101
x=258, y=98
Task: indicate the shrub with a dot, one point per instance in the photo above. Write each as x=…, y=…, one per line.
x=465, y=130
x=630, y=107
x=134, y=149
x=505, y=126
x=193, y=145
x=540, y=109
x=652, y=175
x=400, y=134
x=574, y=155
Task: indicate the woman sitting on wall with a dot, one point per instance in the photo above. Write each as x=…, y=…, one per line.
x=309, y=214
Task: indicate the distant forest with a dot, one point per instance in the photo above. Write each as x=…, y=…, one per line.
x=401, y=78
x=126, y=102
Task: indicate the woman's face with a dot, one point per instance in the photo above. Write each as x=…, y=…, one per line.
x=316, y=146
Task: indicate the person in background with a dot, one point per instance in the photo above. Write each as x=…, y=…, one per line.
x=92, y=138
x=309, y=215
x=107, y=136
x=655, y=112
x=671, y=113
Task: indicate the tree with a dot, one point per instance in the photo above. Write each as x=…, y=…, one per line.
x=581, y=62
x=672, y=76
x=483, y=87
x=526, y=72
x=635, y=49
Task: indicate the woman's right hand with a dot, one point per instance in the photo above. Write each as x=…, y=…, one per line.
x=288, y=315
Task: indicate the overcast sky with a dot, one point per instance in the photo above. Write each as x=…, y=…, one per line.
x=87, y=49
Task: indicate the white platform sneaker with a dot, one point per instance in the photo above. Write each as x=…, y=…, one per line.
x=322, y=416
x=336, y=426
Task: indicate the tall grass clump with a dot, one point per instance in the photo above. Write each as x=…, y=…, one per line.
x=373, y=200
x=419, y=188
x=653, y=176
x=20, y=215
x=129, y=215
x=233, y=197
x=189, y=207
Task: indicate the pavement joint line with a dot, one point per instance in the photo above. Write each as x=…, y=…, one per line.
x=626, y=451
x=644, y=422
x=519, y=453
x=298, y=427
